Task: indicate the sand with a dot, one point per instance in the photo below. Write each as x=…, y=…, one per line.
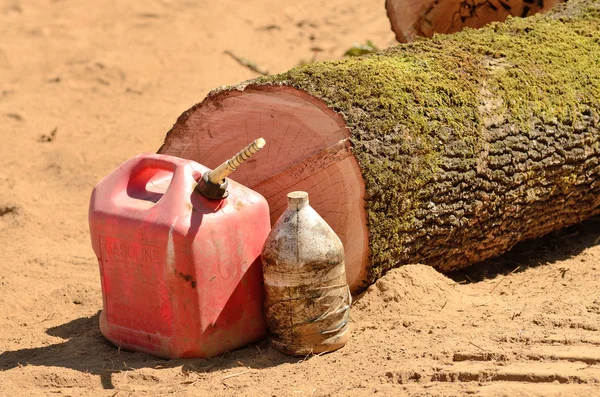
x=86, y=85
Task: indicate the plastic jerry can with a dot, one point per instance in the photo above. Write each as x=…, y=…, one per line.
x=180, y=272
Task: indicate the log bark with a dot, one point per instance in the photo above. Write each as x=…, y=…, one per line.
x=412, y=18
x=445, y=151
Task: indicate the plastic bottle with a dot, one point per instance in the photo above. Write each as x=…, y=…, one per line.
x=307, y=299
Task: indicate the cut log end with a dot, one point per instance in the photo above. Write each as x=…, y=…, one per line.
x=307, y=149
x=412, y=18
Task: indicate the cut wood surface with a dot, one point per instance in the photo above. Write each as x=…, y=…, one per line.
x=412, y=18
x=444, y=152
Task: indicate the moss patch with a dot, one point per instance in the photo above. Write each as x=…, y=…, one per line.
x=405, y=105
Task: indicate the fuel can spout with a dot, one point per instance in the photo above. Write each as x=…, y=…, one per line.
x=213, y=184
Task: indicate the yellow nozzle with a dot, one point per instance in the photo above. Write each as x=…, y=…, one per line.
x=223, y=171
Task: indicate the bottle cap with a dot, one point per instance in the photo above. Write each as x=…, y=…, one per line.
x=297, y=200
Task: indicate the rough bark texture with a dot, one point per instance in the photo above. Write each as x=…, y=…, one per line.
x=467, y=143
x=412, y=18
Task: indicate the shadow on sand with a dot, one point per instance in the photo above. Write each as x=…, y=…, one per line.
x=553, y=247
x=86, y=350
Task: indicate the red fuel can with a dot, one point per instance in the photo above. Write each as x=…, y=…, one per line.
x=181, y=273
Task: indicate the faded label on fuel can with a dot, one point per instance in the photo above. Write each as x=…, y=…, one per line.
x=135, y=287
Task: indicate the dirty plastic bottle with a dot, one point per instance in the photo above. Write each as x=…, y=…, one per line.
x=307, y=299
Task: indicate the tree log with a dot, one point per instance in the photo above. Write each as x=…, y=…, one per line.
x=445, y=151
x=411, y=18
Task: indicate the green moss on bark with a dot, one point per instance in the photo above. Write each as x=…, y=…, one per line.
x=413, y=106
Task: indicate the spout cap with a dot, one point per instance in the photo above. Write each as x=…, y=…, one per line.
x=213, y=191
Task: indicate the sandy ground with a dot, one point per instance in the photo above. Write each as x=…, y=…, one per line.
x=85, y=85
